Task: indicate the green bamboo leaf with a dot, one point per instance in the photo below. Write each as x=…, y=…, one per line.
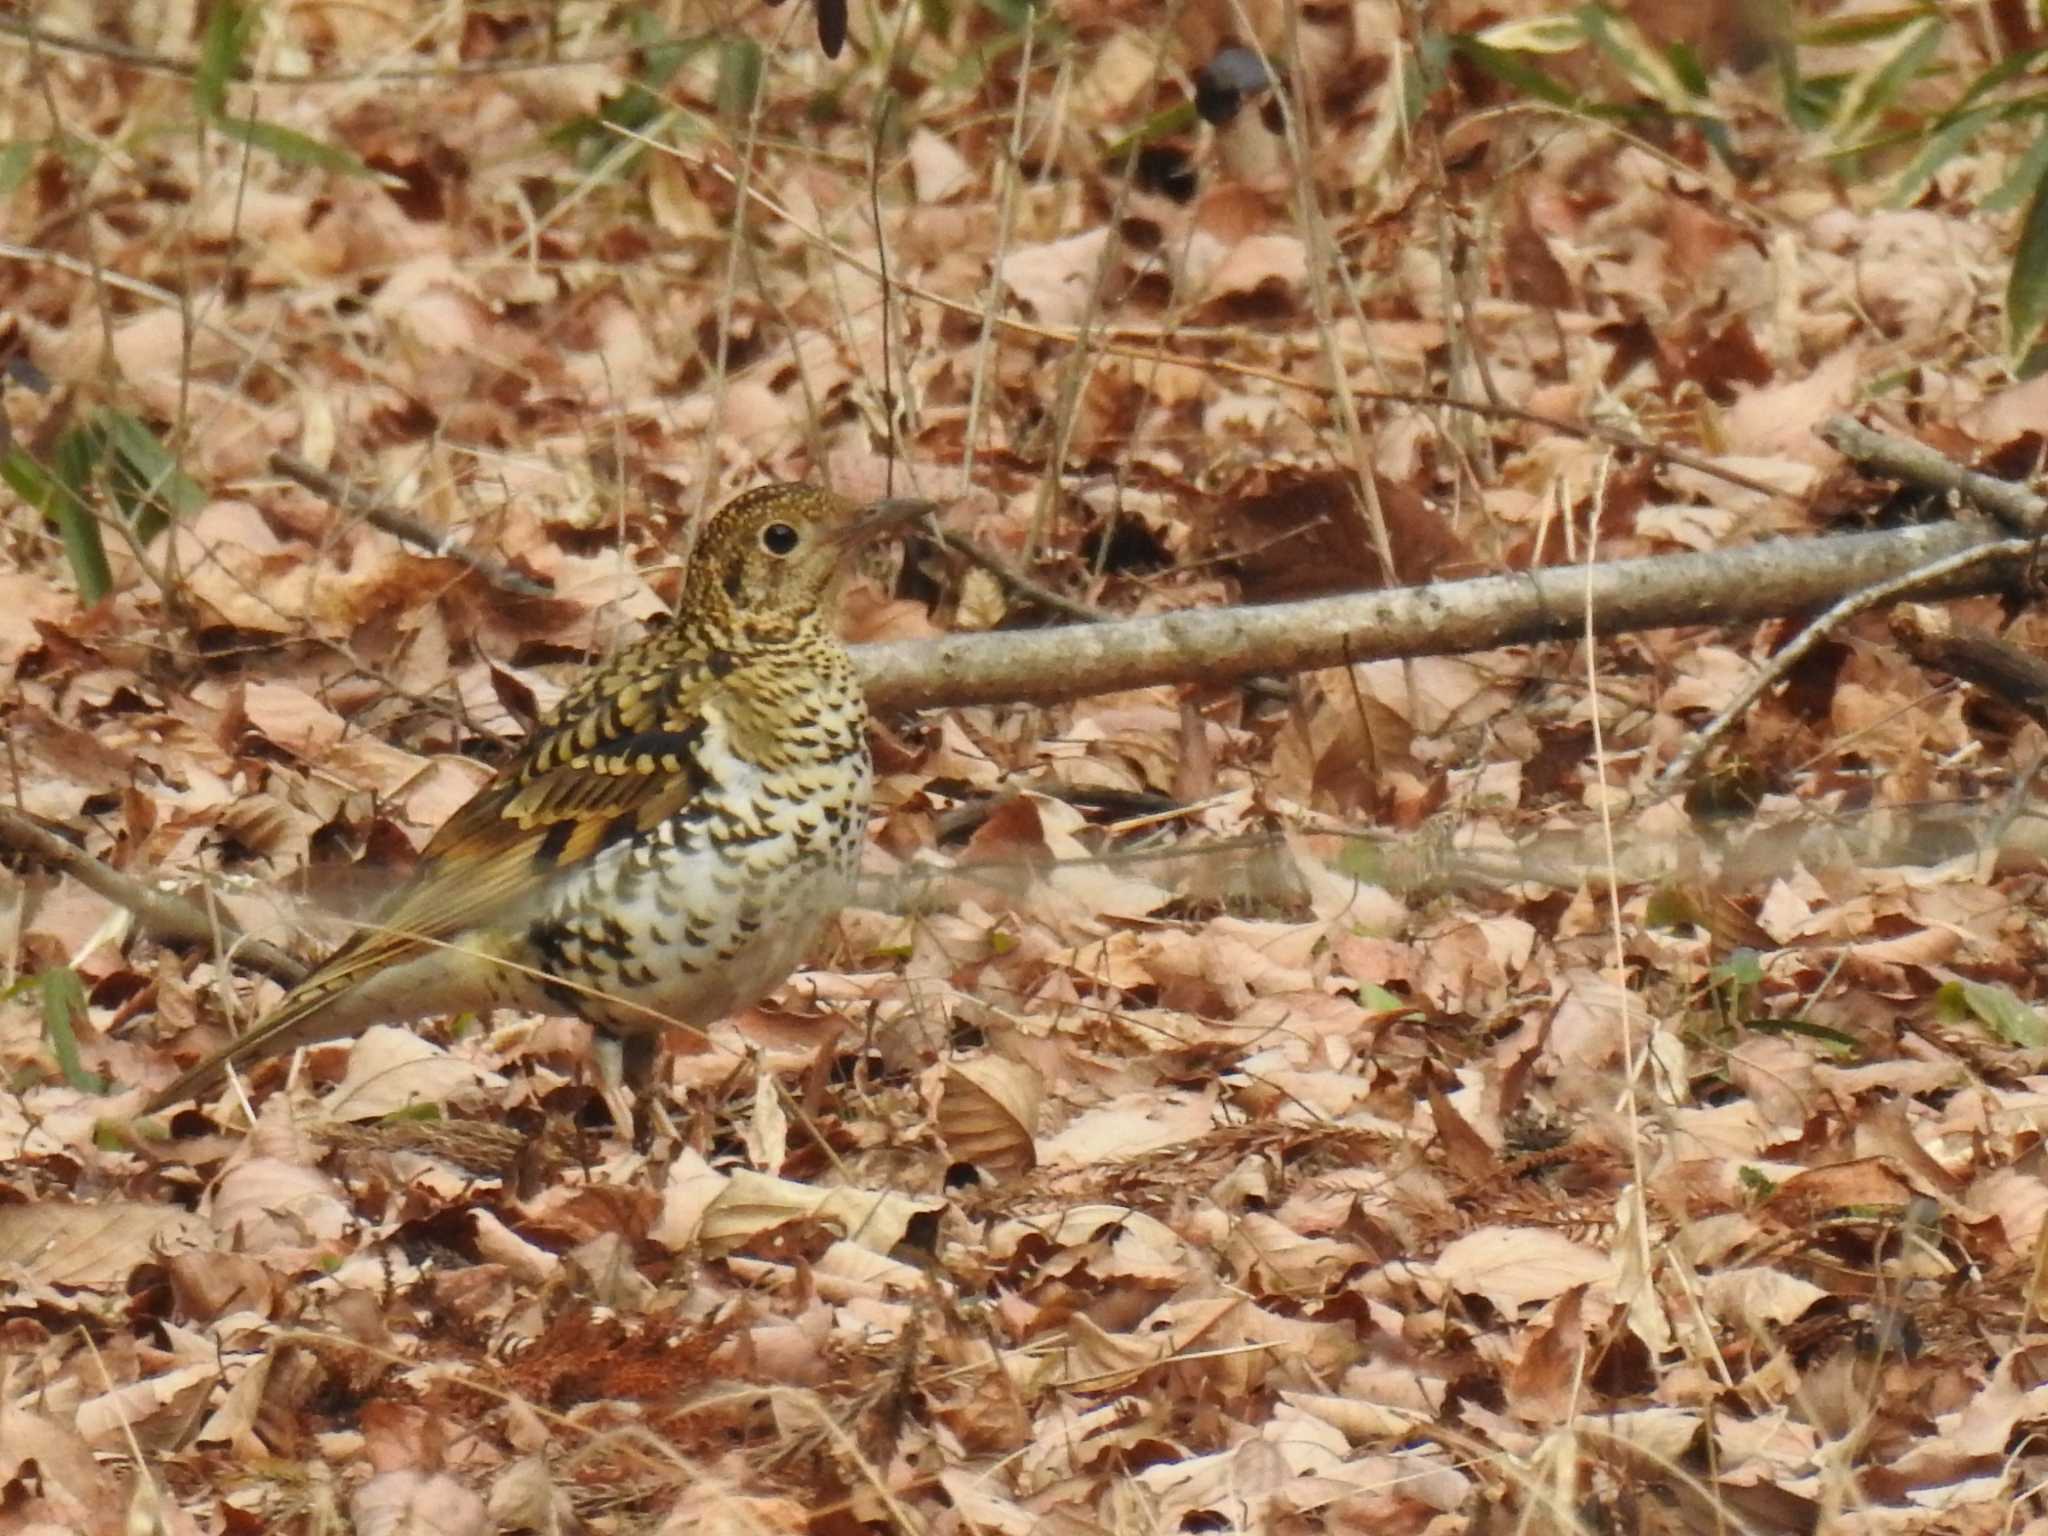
x=1014, y=14
x=639, y=104
x=26, y=478
x=2026, y=287
x=229, y=26
x=77, y=460
x=291, y=146
x=1866, y=28
x=1649, y=71
x=662, y=51
x=1687, y=70
x=60, y=495
x=2008, y=68
x=1515, y=72
x=16, y=161
x=1873, y=89
x=739, y=78
x=228, y=29
x=143, y=476
x=63, y=1006
x=1537, y=34
x=1163, y=124
x=1995, y=1008
x=1843, y=1045
x=2025, y=178
x=1811, y=100
x=1940, y=148
x=1743, y=968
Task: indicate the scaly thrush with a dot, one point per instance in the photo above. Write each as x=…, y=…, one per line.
x=665, y=845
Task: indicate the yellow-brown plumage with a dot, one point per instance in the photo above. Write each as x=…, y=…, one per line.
x=664, y=846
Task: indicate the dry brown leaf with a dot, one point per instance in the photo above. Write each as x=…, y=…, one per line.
x=987, y=1114
x=752, y=1203
x=1513, y=1266
x=54, y=1243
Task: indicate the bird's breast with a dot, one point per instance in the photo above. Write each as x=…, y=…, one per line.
x=702, y=914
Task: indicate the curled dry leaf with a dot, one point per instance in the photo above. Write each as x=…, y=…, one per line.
x=284, y=716
x=1281, y=1261
x=498, y=1244
x=1080, y=1225
x=168, y=1398
x=391, y=1069
x=752, y=1203
x=1100, y=1361
x=1757, y=1298
x=526, y=1496
x=64, y=1464
x=59, y=1244
x=710, y=1507
x=211, y=1286
x=988, y=1114
x=1513, y=1266
x=1053, y=282
x=846, y=1271
x=267, y=1203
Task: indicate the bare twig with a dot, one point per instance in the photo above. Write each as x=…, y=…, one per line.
x=1933, y=638
x=169, y=917
x=166, y=64
x=1732, y=586
x=1681, y=766
x=1015, y=577
x=1917, y=464
x=400, y=525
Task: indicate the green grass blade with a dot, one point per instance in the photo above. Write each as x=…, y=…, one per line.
x=291, y=146
x=143, y=476
x=63, y=1005
x=228, y=28
x=60, y=496
x=2026, y=287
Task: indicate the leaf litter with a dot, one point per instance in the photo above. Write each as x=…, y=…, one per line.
x=1226, y=1109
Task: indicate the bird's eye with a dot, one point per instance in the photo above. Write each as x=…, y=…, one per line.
x=778, y=538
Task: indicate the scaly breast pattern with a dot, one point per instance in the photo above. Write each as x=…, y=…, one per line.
x=708, y=911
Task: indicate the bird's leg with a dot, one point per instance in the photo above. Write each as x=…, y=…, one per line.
x=626, y=1066
x=610, y=1051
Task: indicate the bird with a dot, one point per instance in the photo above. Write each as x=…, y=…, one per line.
x=664, y=846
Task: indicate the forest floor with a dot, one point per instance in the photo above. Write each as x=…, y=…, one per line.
x=1351, y=1102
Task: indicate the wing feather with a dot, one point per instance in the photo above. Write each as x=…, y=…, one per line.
x=620, y=756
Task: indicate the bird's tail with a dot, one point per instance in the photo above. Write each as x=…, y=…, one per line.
x=309, y=1015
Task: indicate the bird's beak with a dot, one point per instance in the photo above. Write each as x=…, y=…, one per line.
x=881, y=516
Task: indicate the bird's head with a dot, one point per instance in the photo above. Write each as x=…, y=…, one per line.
x=769, y=558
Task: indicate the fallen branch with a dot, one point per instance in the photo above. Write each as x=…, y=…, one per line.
x=400, y=525
x=167, y=916
x=1902, y=459
x=1680, y=768
x=1015, y=577
x=1932, y=637
x=1760, y=581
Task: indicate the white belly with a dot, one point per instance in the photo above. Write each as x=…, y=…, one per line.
x=714, y=909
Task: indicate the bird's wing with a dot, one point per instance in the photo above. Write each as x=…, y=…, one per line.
x=619, y=757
